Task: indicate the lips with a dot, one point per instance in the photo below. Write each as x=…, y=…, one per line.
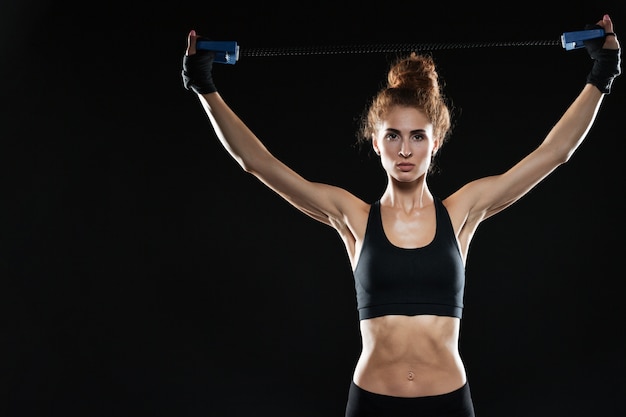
x=405, y=166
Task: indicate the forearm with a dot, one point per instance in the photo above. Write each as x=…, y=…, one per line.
x=572, y=128
x=235, y=136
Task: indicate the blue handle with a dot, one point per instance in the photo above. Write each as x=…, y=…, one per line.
x=574, y=40
x=226, y=52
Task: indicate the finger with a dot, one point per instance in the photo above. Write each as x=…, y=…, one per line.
x=191, y=42
x=610, y=42
x=606, y=23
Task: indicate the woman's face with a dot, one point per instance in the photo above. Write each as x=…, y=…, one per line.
x=405, y=143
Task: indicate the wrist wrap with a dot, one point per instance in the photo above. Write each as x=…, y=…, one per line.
x=606, y=62
x=196, y=72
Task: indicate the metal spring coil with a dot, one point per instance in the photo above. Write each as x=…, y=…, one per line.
x=382, y=48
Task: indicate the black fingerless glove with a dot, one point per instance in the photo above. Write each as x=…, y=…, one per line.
x=197, y=72
x=606, y=62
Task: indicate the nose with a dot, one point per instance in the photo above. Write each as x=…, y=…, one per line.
x=405, y=152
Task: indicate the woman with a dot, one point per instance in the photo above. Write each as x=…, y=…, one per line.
x=408, y=249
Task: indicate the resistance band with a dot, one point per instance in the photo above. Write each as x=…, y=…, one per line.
x=229, y=52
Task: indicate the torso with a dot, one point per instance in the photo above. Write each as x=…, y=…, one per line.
x=409, y=356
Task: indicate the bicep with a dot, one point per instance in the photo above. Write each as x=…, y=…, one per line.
x=490, y=195
x=326, y=203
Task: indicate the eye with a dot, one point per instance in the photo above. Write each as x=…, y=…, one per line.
x=418, y=137
x=391, y=136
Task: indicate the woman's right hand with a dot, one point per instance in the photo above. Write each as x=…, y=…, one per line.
x=197, y=67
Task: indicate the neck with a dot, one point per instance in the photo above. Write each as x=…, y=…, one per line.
x=408, y=196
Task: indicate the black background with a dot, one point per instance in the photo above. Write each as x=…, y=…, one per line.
x=145, y=274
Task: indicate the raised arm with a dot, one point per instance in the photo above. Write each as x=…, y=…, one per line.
x=485, y=197
x=326, y=203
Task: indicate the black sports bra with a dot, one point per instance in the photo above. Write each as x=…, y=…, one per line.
x=393, y=280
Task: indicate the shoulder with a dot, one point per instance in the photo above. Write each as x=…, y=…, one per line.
x=463, y=205
x=339, y=208
x=467, y=210
x=355, y=213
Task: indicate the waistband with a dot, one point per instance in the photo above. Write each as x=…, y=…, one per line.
x=458, y=403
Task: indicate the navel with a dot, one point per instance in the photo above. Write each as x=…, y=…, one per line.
x=410, y=376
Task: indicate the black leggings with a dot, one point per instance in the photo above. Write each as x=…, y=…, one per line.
x=363, y=403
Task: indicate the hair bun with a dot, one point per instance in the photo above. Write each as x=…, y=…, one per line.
x=415, y=72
